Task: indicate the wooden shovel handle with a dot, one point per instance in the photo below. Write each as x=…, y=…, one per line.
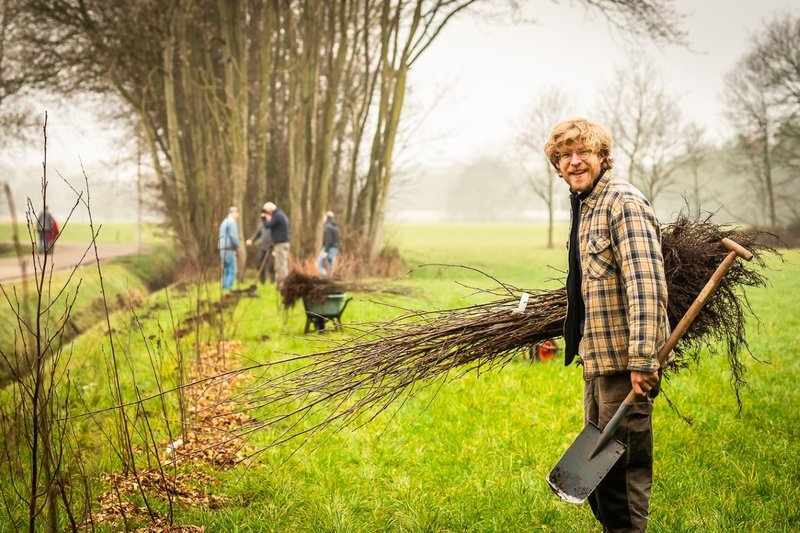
x=709, y=288
x=740, y=250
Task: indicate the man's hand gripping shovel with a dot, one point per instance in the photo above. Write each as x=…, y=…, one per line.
x=594, y=452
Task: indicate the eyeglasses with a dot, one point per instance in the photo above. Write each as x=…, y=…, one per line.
x=583, y=154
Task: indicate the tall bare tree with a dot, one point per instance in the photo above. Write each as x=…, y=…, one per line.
x=646, y=124
x=775, y=56
x=546, y=110
x=696, y=152
x=752, y=115
x=15, y=113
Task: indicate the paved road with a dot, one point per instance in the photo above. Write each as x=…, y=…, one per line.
x=66, y=256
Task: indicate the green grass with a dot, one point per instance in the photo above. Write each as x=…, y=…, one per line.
x=473, y=454
x=126, y=281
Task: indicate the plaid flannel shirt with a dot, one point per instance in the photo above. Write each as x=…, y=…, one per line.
x=623, y=284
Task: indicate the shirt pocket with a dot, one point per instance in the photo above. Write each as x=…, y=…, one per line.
x=600, y=258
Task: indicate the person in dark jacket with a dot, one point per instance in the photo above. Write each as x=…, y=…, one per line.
x=330, y=245
x=278, y=225
x=264, y=262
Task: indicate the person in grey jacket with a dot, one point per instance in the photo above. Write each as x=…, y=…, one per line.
x=265, y=263
x=330, y=245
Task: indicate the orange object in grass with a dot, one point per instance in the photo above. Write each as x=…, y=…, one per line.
x=547, y=350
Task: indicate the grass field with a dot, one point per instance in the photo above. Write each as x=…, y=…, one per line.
x=473, y=454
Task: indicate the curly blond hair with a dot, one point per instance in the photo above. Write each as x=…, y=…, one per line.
x=570, y=132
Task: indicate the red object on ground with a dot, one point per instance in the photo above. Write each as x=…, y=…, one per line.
x=547, y=350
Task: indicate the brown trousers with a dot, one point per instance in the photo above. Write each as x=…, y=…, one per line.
x=621, y=501
x=280, y=253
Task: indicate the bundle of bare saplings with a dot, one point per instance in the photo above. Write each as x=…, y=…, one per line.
x=315, y=289
x=395, y=359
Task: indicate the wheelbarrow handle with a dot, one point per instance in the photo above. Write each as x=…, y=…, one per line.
x=736, y=250
x=347, y=301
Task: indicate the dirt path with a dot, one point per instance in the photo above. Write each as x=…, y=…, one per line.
x=65, y=257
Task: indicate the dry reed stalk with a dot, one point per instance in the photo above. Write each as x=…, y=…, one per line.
x=395, y=359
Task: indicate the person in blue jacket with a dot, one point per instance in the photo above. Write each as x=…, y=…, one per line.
x=228, y=245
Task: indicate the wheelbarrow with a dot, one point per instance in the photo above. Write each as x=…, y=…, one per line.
x=330, y=309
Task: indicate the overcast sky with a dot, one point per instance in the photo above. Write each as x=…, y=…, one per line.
x=484, y=75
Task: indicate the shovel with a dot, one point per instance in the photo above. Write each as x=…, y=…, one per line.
x=595, y=452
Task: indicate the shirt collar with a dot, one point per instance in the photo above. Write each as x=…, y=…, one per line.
x=590, y=197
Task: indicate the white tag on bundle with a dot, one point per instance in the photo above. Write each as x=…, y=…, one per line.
x=523, y=303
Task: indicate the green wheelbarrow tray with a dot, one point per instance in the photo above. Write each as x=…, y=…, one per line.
x=330, y=309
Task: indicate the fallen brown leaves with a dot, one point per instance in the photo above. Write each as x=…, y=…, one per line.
x=208, y=440
x=210, y=434
x=171, y=529
x=176, y=488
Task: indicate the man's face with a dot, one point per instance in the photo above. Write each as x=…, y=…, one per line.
x=579, y=167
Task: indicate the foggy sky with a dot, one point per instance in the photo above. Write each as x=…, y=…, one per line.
x=485, y=74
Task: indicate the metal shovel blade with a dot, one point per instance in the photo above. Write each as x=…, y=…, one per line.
x=576, y=475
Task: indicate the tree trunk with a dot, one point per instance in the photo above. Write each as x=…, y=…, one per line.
x=234, y=56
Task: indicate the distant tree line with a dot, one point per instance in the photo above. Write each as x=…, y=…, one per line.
x=763, y=95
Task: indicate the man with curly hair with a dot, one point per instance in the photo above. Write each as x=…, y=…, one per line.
x=616, y=310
